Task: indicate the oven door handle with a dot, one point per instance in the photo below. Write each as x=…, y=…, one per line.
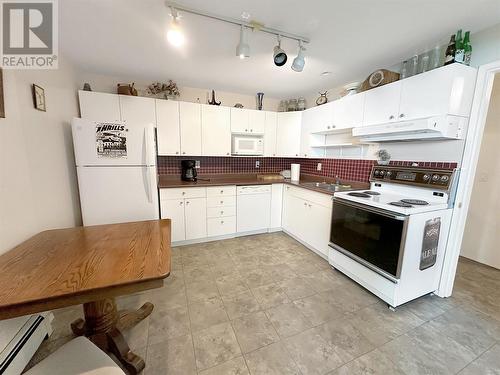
x=370, y=209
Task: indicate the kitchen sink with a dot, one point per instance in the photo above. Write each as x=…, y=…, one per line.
x=332, y=188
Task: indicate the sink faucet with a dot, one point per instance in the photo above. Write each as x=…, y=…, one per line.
x=337, y=180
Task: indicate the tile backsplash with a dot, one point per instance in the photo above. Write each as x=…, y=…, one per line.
x=346, y=169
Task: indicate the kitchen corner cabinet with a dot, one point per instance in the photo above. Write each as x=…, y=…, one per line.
x=137, y=110
x=215, y=130
x=307, y=216
x=247, y=121
x=288, y=134
x=99, y=106
x=168, y=127
x=271, y=119
x=190, y=128
x=348, y=111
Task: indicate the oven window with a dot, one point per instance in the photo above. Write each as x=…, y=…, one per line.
x=372, y=237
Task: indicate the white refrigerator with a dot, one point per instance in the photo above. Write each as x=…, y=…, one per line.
x=116, y=167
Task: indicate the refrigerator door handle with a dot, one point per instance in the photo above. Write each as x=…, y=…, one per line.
x=149, y=149
x=146, y=179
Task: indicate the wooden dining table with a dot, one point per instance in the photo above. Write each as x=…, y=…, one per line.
x=90, y=266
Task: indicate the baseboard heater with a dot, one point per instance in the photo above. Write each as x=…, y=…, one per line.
x=20, y=349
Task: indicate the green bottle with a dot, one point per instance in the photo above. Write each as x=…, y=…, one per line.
x=459, y=48
x=467, y=48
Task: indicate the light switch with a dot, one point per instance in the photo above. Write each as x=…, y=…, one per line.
x=257, y=163
x=197, y=164
x=318, y=168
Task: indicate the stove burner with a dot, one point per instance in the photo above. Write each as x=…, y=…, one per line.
x=369, y=192
x=416, y=202
x=360, y=195
x=401, y=204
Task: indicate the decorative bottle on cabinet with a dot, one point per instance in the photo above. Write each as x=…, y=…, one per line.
x=459, y=48
x=450, y=51
x=467, y=48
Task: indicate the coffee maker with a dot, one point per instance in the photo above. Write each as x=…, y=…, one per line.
x=188, y=170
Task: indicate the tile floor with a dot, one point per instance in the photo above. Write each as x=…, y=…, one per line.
x=266, y=305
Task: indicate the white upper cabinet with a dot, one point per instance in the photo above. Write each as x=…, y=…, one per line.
x=382, y=104
x=348, y=111
x=215, y=130
x=99, y=106
x=288, y=134
x=247, y=121
x=271, y=119
x=136, y=109
x=239, y=120
x=319, y=119
x=444, y=91
x=441, y=91
x=168, y=127
x=257, y=121
x=190, y=128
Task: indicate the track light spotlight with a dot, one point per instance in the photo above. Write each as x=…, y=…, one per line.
x=279, y=56
x=242, y=49
x=175, y=35
x=299, y=62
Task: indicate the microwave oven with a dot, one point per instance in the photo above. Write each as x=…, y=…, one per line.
x=247, y=145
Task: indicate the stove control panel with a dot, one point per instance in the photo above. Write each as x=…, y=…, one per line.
x=436, y=179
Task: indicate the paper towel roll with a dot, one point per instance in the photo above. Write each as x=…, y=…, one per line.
x=295, y=175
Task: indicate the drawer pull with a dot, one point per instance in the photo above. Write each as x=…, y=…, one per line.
x=183, y=193
x=222, y=191
x=180, y=203
x=222, y=221
x=187, y=202
x=222, y=212
x=221, y=202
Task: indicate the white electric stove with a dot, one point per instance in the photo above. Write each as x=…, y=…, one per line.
x=391, y=238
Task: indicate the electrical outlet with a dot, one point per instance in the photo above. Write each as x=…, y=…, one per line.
x=197, y=164
x=318, y=168
x=257, y=163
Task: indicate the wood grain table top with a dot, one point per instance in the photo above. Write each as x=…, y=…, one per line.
x=63, y=267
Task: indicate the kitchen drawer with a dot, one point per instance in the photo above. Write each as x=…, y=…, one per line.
x=221, y=226
x=221, y=191
x=322, y=199
x=221, y=201
x=221, y=211
x=178, y=193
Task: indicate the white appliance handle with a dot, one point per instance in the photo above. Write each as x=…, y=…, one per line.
x=146, y=179
x=146, y=146
x=152, y=186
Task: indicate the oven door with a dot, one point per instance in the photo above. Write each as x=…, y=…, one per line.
x=370, y=236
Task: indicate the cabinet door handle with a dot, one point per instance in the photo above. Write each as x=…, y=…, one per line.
x=227, y=153
x=222, y=221
x=180, y=203
x=222, y=212
x=391, y=117
x=183, y=193
x=251, y=130
x=305, y=204
x=328, y=127
x=246, y=130
x=183, y=152
x=309, y=205
x=221, y=202
x=401, y=115
x=177, y=152
x=187, y=202
x=222, y=191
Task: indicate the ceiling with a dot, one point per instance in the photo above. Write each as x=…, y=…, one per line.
x=349, y=38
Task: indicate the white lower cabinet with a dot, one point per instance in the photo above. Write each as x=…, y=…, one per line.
x=196, y=218
x=307, y=216
x=221, y=211
x=221, y=226
x=187, y=210
x=173, y=209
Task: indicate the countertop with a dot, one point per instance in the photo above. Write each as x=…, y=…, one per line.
x=253, y=179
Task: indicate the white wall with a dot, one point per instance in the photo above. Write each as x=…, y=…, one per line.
x=38, y=188
x=106, y=83
x=482, y=233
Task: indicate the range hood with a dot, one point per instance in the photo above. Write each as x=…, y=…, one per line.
x=430, y=128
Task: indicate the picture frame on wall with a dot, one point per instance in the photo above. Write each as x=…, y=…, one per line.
x=39, y=98
x=2, y=103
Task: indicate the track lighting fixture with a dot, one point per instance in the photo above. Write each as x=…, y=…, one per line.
x=242, y=49
x=299, y=62
x=279, y=55
x=175, y=35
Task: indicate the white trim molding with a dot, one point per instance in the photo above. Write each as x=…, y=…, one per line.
x=482, y=94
